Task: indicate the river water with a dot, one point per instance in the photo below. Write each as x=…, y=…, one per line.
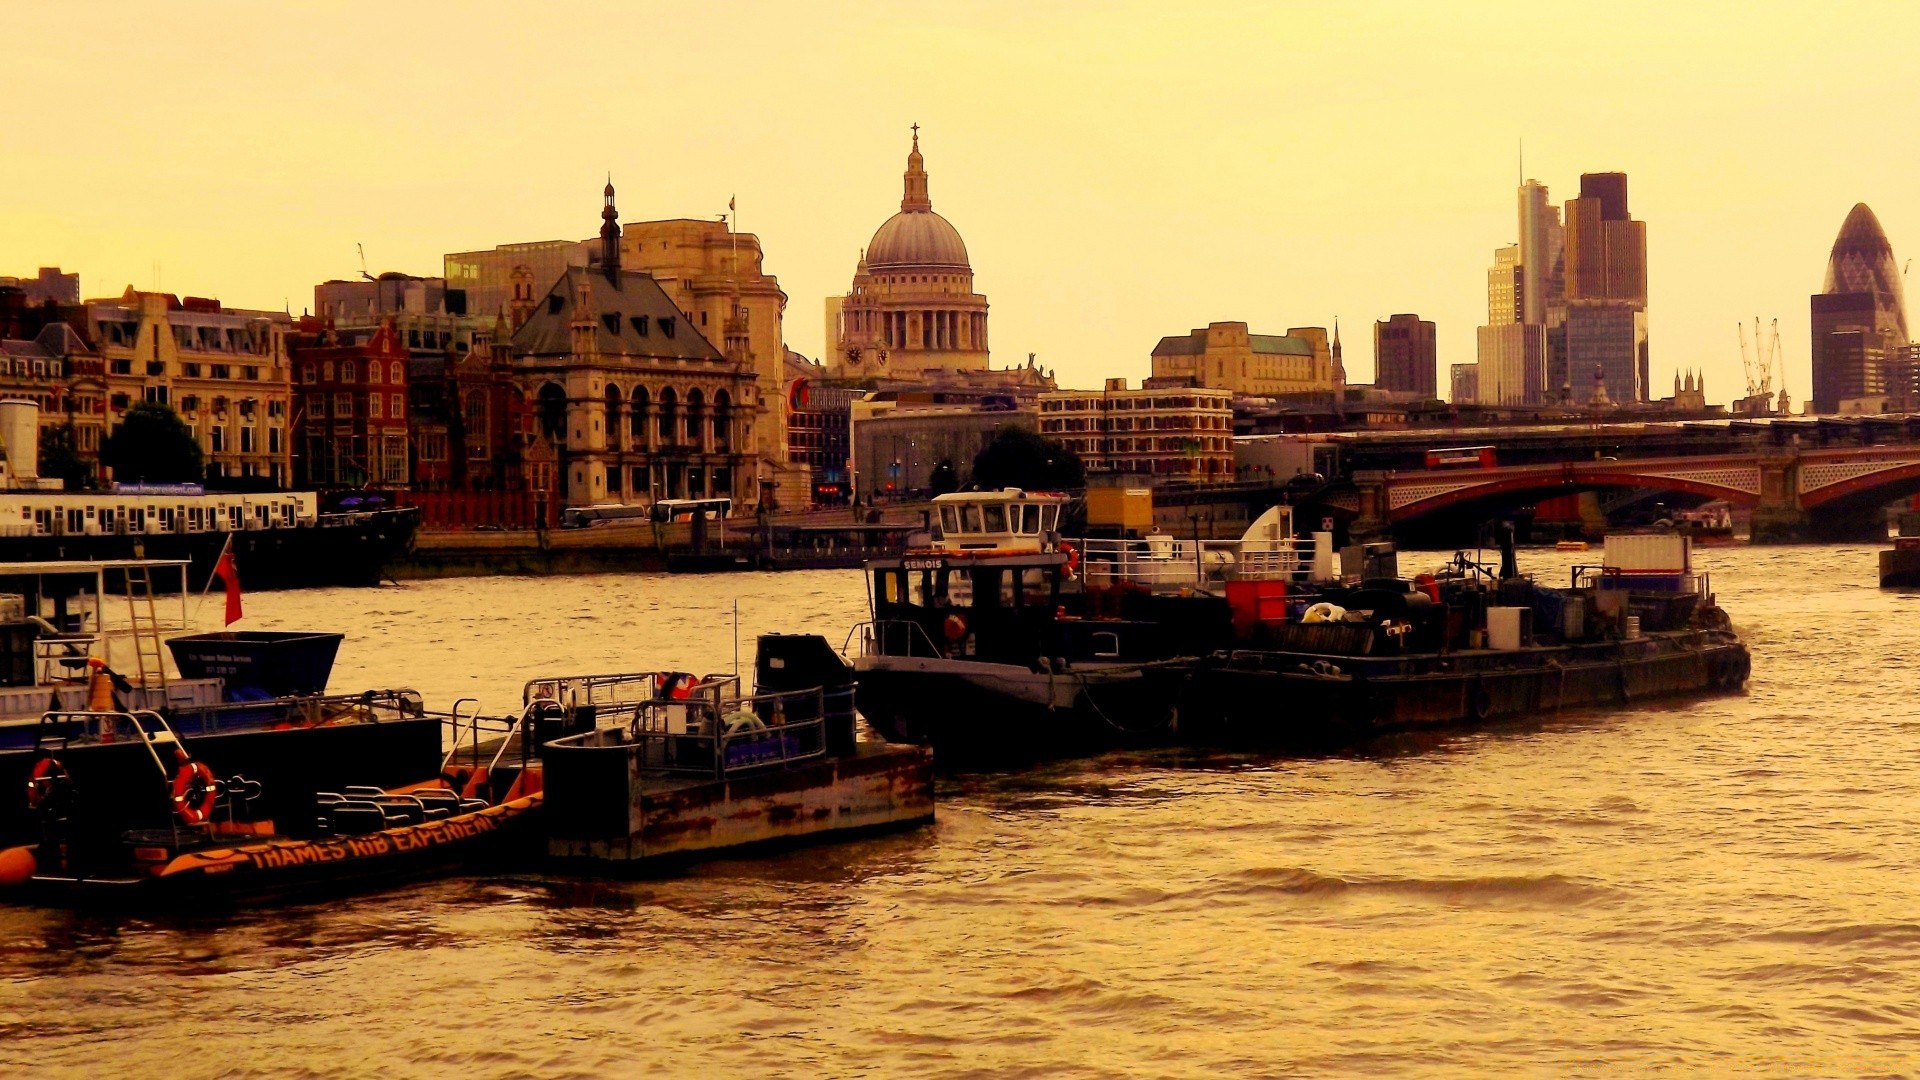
x=1728, y=885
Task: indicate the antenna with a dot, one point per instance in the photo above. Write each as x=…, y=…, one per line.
x=362, y=249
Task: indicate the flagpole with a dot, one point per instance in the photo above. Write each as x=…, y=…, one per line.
x=202, y=602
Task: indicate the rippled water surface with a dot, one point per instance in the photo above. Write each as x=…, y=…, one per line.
x=1731, y=885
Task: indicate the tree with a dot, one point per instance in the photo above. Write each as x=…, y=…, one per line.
x=943, y=479
x=58, y=458
x=152, y=445
x=1019, y=457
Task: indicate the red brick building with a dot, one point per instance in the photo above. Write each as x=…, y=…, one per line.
x=350, y=406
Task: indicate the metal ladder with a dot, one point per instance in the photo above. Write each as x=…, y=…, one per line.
x=149, y=662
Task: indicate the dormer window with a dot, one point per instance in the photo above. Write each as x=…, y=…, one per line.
x=639, y=325
x=553, y=304
x=612, y=322
x=666, y=325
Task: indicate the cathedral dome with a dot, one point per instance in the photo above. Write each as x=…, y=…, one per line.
x=912, y=239
x=916, y=237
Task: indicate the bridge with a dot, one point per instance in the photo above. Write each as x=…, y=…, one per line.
x=1794, y=494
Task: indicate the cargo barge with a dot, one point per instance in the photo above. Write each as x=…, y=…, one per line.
x=1470, y=645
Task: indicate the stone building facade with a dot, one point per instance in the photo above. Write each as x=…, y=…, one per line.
x=224, y=370
x=1224, y=356
x=636, y=402
x=1149, y=435
x=911, y=307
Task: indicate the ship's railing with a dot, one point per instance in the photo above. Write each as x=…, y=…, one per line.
x=1164, y=561
x=302, y=710
x=889, y=637
x=59, y=730
x=696, y=737
x=598, y=689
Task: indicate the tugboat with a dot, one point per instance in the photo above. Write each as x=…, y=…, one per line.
x=997, y=642
x=1470, y=644
x=1900, y=564
x=681, y=767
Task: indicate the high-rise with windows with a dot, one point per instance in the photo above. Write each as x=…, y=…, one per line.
x=1859, y=315
x=1605, y=261
x=1404, y=357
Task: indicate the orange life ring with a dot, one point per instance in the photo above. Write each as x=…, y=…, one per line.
x=1073, y=557
x=955, y=628
x=47, y=777
x=194, y=792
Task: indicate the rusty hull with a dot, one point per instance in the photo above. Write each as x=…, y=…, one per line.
x=879, y=786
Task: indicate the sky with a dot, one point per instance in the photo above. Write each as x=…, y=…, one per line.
x=1119, y=171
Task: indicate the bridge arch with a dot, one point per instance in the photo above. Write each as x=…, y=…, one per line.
x=1410, y=497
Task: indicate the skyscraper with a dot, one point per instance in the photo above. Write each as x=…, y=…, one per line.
x=1606, y=287
x=1404, y=356
x=1859, y=316
x=1511, y=353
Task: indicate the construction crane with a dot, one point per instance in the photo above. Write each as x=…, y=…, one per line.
x=362, y=249
x=1762, y=359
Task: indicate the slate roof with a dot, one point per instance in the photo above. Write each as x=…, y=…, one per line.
x=632, y=315
x=1195, y=344
x=56, y=339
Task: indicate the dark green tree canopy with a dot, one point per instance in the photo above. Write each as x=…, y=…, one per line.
x=1019, y=457
x=58, y=457
x=944, y=479
x=152, y=445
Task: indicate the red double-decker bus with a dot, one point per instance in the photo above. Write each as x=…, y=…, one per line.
x=1461, y=457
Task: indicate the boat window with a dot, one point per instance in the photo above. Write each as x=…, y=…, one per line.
x=1034, y=587
x=1106, y=645
x=917, y=588
x=1049, y=518
x=1030, y=519
x=889, y=586
x=949, y=521
x=996, y=517
x=959, y=589
x=970, y=517
x=1008, y=595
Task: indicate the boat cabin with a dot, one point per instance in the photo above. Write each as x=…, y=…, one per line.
x=1006, y=521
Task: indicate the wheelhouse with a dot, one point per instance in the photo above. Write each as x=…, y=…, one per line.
x=1008, y=520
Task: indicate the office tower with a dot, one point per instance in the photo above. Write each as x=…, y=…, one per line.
x=1404, y=356
x=1511, y=353
x=1859, y=316
x=1605, y=261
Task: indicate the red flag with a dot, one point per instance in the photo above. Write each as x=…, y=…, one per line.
x=226, y=572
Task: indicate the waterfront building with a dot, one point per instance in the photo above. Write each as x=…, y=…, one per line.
x=430, y=318
x=1405, y=357
x=1859, y=315
x=819, y=415
x=1606, y=287
x=49, y=286
x=43, y=359
x=1151, y=435
x=637, y=404
x=900, y=437
x=1465, y=384
x=911, y=307
x=715, y=276
x=351, y=407
x=224, y=370
x=1225, y=356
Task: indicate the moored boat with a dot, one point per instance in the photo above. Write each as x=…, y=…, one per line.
x=1471, y=646
x=691, y=767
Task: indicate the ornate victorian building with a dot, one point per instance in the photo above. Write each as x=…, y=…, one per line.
x=912, y=307
x=637, y=403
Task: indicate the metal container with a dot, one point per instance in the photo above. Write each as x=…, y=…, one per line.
x=275, y=663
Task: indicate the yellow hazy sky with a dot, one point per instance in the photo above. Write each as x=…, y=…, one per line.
x=1119, y=171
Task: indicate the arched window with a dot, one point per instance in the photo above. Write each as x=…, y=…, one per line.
x=475, y=411
x=614, y=441
x=637, y=423
x=347, y=372
x=667, y=419
x=374, y=368
x=722, y=421
x=696, y=414
x=552, y=410
x=398, y=374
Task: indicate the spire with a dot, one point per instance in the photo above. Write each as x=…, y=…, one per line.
x=916, y=197
x=610, y=236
